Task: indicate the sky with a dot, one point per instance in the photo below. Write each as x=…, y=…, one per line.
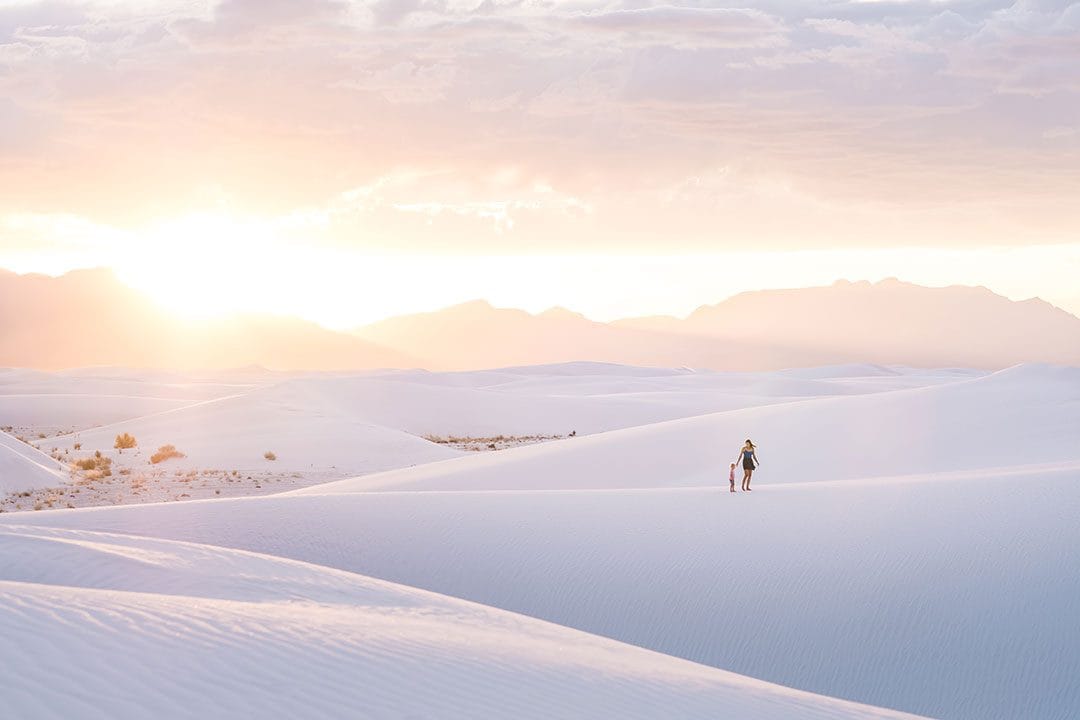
x=345, y=161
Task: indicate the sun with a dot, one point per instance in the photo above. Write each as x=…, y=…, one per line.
x=208, y=265
x=211, y=265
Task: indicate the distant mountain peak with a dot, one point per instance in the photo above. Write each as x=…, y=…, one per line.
x=560, y=313
x=477, y=305
x=89, y=318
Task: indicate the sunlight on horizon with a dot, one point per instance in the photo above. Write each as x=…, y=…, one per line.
x=383, y=167
x=213, y=264
x=206, y=266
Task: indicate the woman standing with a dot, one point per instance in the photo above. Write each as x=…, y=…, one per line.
x=749, y=463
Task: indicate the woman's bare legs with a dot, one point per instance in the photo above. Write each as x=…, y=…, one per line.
x=746, y=478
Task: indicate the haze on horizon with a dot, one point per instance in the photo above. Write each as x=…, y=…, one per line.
x=347, y=161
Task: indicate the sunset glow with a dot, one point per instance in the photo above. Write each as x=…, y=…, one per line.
x=343, y=161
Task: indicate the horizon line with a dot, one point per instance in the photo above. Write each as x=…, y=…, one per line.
x=478, y=300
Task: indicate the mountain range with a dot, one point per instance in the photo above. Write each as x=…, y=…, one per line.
x=88, y=317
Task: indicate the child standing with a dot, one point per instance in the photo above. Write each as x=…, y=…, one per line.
x=731, y=477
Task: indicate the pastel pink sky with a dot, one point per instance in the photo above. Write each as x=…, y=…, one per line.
x=289, y=140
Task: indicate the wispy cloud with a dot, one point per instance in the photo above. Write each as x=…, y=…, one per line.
x=841, y=123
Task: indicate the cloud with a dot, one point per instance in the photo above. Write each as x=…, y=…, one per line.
x=391, y=12
x=38, y=15
x=726, y=27
x=237, y=19
x=844, y=117
x=1061, y=131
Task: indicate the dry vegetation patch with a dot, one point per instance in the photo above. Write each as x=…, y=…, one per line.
x=166, y=452
x=124, y=442
x=496, y=442
x=95, y=466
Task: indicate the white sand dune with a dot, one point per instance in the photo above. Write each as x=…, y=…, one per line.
x=428, y=408
x=54, y=412
x=592, y=379
x=18, y=447
x=371, y=422
x=133, y=382
x=234, y=433
x=120, y=627
x=949, y=596
x=87, y=397
x=910, y=548
x=351, y=424
x=1024, y=415
x=25, y=468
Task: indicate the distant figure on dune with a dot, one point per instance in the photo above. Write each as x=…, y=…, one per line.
x=749, y=464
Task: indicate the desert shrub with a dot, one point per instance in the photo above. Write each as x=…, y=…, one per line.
x=269, y=455
x=38, y=506
x=124, y=442
x=41, y=436
x=166, y=452
x=95, y=467
x=78, y=446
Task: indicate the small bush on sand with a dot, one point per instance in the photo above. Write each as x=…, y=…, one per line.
x=124, y=442
x=269, y=455
x=95, y=467
x=78, y=446
x=166, y=452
